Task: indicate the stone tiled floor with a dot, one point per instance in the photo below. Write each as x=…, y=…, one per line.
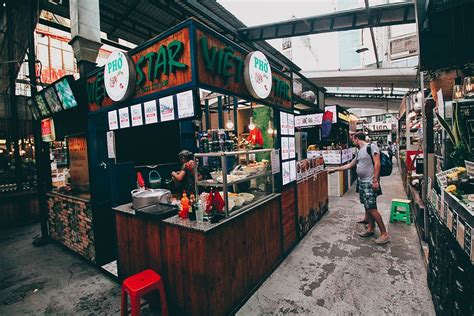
x=335, y=272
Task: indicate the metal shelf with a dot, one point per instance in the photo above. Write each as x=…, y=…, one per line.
x=220, y=185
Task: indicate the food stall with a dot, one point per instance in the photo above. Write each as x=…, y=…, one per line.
x=330, y=140
x=193, y=89
x=74, y=219
x=312, y=179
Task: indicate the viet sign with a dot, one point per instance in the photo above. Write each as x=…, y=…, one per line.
x=258, y=75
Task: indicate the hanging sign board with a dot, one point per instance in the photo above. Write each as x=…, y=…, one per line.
x=113, y=120
x=151, y=113
x=119, y=76
x=258, y=75
x=137, y=116
x=164, y=64
x=47, y=130
x=309, y=120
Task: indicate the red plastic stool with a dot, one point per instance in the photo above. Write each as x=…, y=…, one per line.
x=140, y=284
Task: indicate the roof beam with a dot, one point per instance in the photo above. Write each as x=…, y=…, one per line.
x=367, y=8
x=382, y=15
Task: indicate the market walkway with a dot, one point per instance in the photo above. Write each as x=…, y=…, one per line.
x=334, y=271
x=50, y=279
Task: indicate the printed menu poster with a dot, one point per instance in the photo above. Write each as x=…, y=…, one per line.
x=166, y=109
x=292, y=170
x=284, y=123
x=151, y=115
x=286, y=172
x=113, y=120
x=124, y=119
x=185, y=104
x=275, y=159
x=291, y=147
x=284, y=148
x=137, y=116
x=291, y=124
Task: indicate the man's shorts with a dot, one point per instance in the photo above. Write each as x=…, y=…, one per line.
x=367, y=195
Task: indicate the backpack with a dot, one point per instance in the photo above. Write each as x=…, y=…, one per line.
x=385, y=163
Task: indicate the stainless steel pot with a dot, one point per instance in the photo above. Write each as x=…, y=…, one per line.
x=142, y=198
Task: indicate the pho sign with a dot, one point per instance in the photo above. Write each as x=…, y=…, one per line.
x=119, y=76
x=258, y=75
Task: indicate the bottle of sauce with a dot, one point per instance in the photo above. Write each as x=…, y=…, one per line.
x=184, y=206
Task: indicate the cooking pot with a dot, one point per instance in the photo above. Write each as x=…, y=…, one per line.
x=142, y=198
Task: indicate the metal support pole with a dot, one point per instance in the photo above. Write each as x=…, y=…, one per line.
x=206, y=110
x=39, y=150
x=425, y=138
x=236, y=106
x=14, y=120
x=220, y=113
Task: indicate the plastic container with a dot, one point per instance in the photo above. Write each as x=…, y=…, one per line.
x=155, y=179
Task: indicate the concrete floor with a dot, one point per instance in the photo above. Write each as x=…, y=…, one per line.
x=50, y=279
x=333, y=271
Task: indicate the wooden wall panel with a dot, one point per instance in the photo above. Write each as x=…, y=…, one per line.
x=288, y=210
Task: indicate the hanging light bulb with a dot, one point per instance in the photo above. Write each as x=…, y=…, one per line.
x=458, y=92
x=251, y=124
x=469, y=87
x=270, y=128
x=229, y=124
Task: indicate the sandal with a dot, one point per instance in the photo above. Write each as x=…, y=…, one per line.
x=363, y=221
x=366, y=233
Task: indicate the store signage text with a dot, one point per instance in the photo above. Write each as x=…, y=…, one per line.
x=119, y=76
x=343, y=116
x=222, y=62
x=281, y=89
x=258, y=75
x=164, y=61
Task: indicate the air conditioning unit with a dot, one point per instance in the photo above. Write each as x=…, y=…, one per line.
x=403, y=47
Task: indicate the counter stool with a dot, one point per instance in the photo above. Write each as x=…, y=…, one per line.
x=140, y=284
x=400, y=211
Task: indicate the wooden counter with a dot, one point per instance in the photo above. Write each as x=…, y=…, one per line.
x=208, y=269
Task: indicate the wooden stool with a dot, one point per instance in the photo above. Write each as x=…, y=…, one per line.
x=140, y=284
x=400, y=211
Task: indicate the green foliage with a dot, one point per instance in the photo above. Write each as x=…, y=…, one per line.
x=261, y=117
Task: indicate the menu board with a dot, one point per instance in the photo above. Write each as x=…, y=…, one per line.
x=185, y=104
x=42, y=106
x=65, y=94
x=52, y=99
x=332, y=157
x=79, y=167
x=291, y=147
x=308, y=120
x=124, y=118
x=151, y=114
x=286, y=172
x=292, y=170
x=137, y=116
x=33, y=109
x=291, y=124
x=113, y=120
x=284, y=123
x=166, y=109
x=285, y=148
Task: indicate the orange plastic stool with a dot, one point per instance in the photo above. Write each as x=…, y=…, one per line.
x=140, y=284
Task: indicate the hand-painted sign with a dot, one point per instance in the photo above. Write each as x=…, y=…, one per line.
x=258, y=75
x=161, y=65
x=119, y=76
